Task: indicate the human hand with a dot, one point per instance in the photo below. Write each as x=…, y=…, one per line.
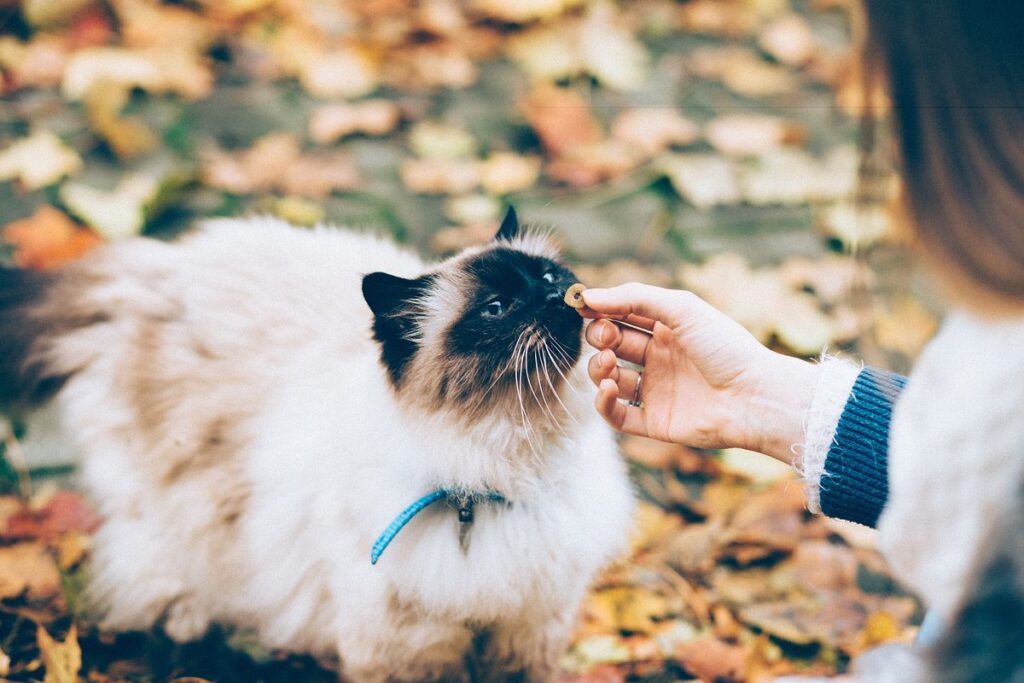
x=707, y=382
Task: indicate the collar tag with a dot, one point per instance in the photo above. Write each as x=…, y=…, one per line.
x=462, y=502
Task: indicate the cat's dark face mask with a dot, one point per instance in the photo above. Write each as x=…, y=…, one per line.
x=512, y=332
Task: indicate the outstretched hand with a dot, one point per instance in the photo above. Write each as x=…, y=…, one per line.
x=707, y=382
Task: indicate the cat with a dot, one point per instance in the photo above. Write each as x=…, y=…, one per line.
x=255, y=403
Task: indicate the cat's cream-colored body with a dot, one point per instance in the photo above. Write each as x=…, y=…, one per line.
x=241, y=439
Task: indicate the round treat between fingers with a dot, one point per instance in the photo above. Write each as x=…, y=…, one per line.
x=574, y=295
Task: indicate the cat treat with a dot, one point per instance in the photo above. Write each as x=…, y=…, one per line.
x=574, y=295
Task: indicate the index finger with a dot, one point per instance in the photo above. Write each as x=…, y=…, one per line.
x=643, y=301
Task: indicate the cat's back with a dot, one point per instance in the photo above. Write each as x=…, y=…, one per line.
x=253, y=288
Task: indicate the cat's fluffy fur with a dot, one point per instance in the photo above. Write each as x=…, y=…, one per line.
x=246, y=442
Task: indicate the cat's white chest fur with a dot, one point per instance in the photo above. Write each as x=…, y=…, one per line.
x=246, y=449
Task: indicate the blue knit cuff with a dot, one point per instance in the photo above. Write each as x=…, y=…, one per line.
x=855, y=483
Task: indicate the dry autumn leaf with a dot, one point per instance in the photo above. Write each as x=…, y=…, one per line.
x=440, y=176
x=127, y=136
x=562, y=119
x=28, y=568
x=751, y=134
x=704, y=180
x=38, y=160
x=156, y=70
x=115, y=214
x=48, y=239
x=331, y=122
x=502, y=173
x=742, y=71
x=276, y=162
x=62, y=660
x=789, y=39
x=653, y=130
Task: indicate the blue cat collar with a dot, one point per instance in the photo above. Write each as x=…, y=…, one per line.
x=406, y=515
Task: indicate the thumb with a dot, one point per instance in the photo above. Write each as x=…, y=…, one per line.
x=668, y=306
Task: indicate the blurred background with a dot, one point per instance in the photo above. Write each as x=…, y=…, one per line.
x=706, y=144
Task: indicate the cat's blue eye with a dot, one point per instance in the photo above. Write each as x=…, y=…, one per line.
x=548, y=276
x=494, y=309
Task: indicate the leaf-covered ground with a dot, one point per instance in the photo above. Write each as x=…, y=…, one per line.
x=707, y=144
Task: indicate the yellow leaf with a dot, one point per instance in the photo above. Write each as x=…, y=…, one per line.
x=62, y=660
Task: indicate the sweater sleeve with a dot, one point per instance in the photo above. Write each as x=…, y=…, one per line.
x=855, y=484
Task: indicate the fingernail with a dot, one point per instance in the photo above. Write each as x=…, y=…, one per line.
x=605, y=333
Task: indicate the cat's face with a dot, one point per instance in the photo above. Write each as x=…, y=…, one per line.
x=486, y=325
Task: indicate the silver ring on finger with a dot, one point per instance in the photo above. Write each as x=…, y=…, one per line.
x=636, y=402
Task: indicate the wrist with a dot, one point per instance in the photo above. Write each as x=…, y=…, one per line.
x=778, y=404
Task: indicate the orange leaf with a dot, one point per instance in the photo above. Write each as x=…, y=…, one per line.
x=48, y=239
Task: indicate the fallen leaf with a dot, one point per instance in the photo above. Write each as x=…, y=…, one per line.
x=626, y=608
x=451, y=240
x=38, y=160
x=714, y=17
x=71, y=549
x=60, y=513
x=905, y=326
x=331, y=122
x=344, y=72
x=610, y=51
x=562, y=119
x=857, y=227
x=742, y=135
x=436, y=140
x=792, y=177
x=440, y=176
x=704, y=180
x=48, y=13
x=155, y=70
x=62, y=660
x=39, y=62
x=28, y=568
x=653, y=130
x=48, y=239
x=592, y=164
x=789, y=39
x=742, y=71
x=651, y=524
x=755, y=467
x=474, y=209
x=712, y=660
x=276, y=162
x=128, y=137
x=524, y=11
x=145, y=24
x=504, y=172
x=592, y=651
x=115, y=214
x=298, y=211
x=600, y=44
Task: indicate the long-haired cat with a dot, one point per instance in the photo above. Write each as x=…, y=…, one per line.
x=256, y=403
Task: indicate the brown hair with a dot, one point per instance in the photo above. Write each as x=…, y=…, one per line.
x=954, y=73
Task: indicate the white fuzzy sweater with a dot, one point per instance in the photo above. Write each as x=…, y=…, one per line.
x=956, y=452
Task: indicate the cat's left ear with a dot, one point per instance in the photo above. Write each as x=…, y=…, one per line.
x=509, y=226
x=389, y=295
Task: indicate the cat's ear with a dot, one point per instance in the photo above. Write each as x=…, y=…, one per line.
x=509, y=226
x=393, y=301
x=388, y=294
